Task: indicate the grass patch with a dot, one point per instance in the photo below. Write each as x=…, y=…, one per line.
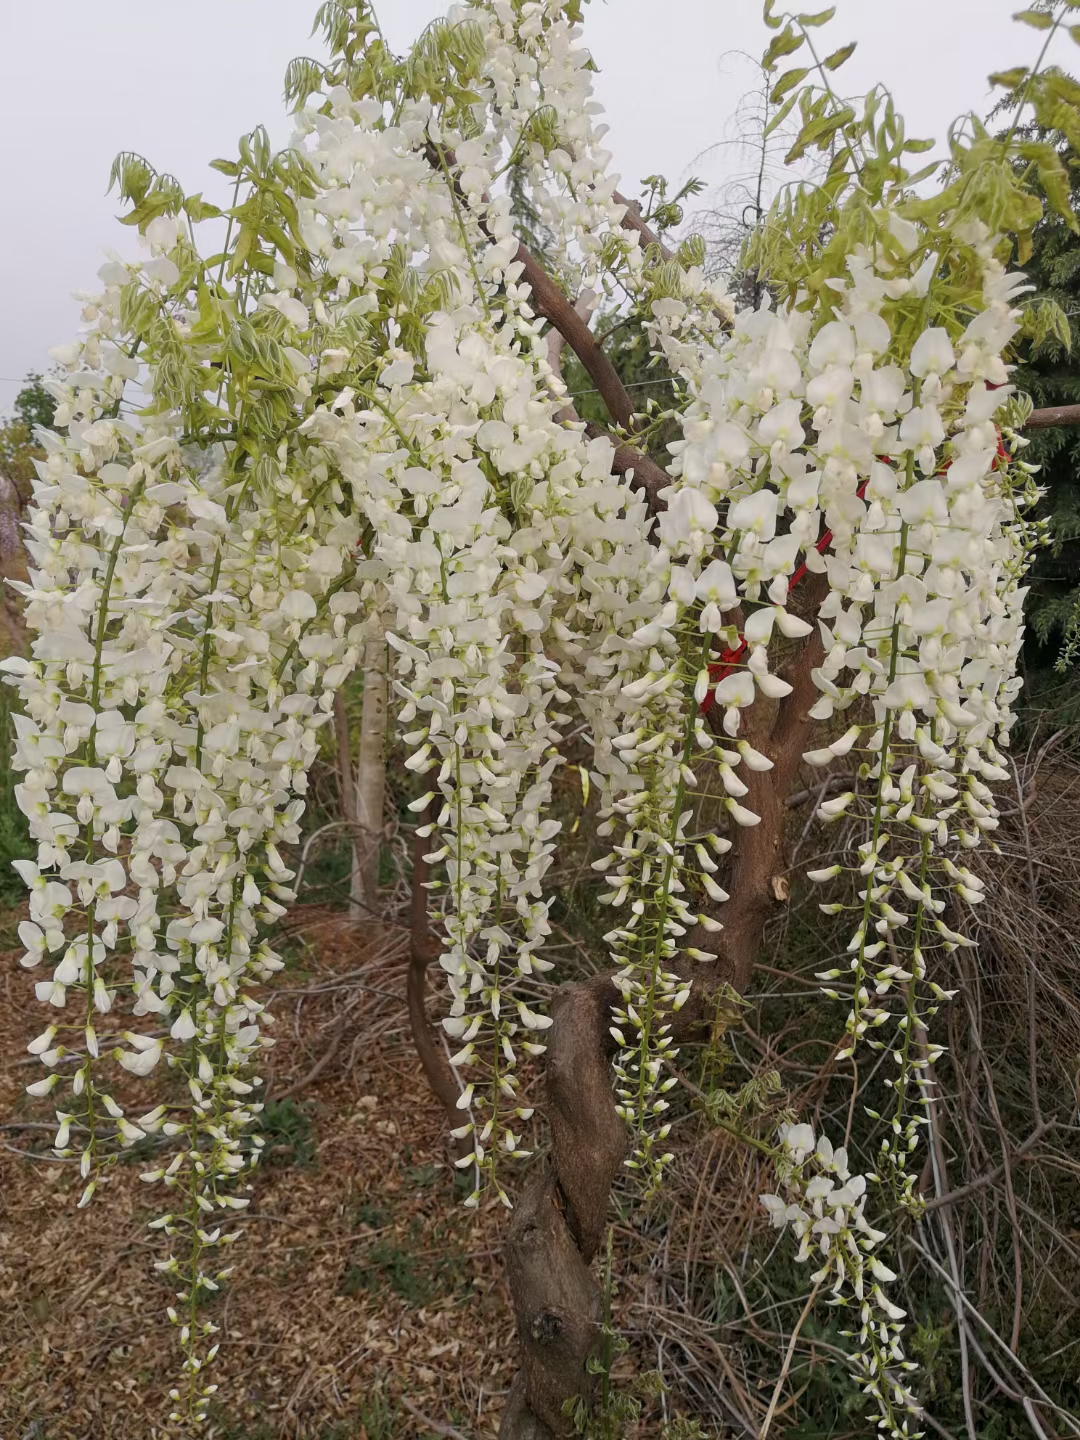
x=286, y=1128
x=399, y=1265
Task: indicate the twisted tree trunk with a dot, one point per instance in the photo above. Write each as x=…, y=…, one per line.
x=559, y=1222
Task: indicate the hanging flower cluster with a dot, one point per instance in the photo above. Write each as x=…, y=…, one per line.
x=827, y=1217
x=840, y=452
x=187, y=607
x=482, y=508
x=349, y=411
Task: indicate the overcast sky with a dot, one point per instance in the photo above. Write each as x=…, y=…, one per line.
x=179, y=82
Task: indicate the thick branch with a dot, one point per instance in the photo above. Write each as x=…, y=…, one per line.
x=552, y=304
x=1054, y=416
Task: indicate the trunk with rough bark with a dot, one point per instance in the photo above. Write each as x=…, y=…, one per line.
x=559, y=1222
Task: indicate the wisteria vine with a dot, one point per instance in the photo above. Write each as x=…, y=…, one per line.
x=347, y=409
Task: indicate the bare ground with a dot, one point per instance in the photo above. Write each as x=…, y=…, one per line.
x=365, y=1302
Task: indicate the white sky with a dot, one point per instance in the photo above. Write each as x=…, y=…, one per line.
x=179, y=82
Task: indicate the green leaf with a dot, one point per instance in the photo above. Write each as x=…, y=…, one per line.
x=1037, y=19
x=1053, y=177
x=1074, y=31
x=772, y=21
x=245, y=243
x=133, y=175
x=917, y=147
x=138, y=309
x=781, y=115
x=302, y=78
x=819, y=132
x=1009, y=79
x=227, y=167
x=261, y=262
x=196, y=209
x=837, y=58
x=786, y=83
x=1061, y=86
x=821, y=18
x=277, y=236
x=786, y=43
x=154, y=205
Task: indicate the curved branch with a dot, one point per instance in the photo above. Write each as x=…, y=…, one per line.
x=1053, y=417
x=552, y=304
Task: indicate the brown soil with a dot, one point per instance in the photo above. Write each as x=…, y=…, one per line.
x=364, y=1301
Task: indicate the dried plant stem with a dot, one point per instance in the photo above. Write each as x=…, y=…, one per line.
x=788, y=1357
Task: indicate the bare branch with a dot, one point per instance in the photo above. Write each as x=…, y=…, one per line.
x=1051, y=418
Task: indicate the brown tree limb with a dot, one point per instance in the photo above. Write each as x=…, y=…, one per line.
x=570, y=320
x=552, y=304
x=1052, y=417
x=559, y=1221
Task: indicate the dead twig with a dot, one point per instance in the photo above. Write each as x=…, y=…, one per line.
x=320, y=1065
x=788, y=1357
x=437, y=1427
x=963, y=1191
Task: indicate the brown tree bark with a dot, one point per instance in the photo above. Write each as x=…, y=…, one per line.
x=558, y=1224
x=1056, y=415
